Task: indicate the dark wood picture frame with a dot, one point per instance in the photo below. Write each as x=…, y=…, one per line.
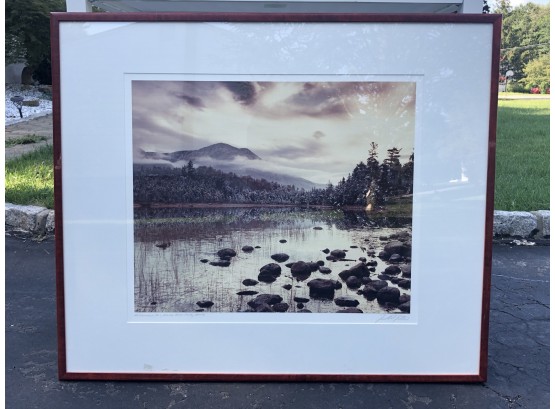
x=69, y=360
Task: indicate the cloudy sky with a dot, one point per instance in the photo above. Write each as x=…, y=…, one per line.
x=317, y=130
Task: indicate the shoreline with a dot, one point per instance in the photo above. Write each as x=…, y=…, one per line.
x=377, y=212
x=237, y=205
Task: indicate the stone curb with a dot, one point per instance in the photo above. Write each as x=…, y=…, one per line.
x=30, y=219
x=524, y=225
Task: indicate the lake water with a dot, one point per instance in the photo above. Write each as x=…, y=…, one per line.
x=171, y=242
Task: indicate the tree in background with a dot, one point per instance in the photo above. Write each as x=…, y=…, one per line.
x=537, y=73
x=28, y=34
x=525, y=35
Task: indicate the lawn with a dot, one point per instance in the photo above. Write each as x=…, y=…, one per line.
x=520, y=95
x=30, y=179
x=522, y=165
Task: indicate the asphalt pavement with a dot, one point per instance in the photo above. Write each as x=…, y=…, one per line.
x=518, y=352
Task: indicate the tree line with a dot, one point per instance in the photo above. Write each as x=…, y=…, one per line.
x=525, y=45
x=372, y=183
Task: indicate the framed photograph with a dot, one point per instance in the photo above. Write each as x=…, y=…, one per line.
x=300, y=197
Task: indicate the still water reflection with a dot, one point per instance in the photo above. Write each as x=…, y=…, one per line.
x=174, y=248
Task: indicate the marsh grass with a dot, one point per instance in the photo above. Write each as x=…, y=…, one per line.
x=29, y=179
x=522, y=151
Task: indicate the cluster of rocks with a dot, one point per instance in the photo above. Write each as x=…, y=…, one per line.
x=396, y=253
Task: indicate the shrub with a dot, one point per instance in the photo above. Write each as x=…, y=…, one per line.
x=516, y=87
x=537, y=75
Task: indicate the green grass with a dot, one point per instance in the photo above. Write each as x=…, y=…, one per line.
x=522, y=165
x=507, y=95
x=24, y=140
x=30, y=179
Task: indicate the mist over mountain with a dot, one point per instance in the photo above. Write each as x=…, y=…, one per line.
x=227, y=158
x=218, y=151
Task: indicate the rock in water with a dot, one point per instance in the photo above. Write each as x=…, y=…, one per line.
x=247, y=249
x=324, y=270
x=322, y=288
x=359, y=270
x=301, y=270
x=388, y=295
x=247, y=292
x=264, y=308
x=398, y=247
x=392, y=270
x=223, y=253
x=351, y=310
x=369, y=292
x=353, y=282
x=220, y=263
x=405, y=307
x=346, y=301
x=280, y=307
x=395, y=258
x=249, y=282
x=205, y=304
x=393, y=247
x=280, y=257
x=269, y=273
x=338, y=253
x=404, y=284
x=378, y=284
x=268, y=299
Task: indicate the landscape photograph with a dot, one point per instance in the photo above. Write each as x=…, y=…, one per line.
x=272, y=196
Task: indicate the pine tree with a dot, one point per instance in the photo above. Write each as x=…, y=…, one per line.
x=373, y=166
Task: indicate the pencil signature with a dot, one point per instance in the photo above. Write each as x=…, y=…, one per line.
x=393, y=318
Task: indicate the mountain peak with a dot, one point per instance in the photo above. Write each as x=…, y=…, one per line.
x=218, y=151
x=224, y=151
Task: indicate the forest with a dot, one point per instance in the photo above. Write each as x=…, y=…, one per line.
x=525, y=45
x=371, y=183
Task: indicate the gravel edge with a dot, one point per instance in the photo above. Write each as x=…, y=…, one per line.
x=519, y=228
